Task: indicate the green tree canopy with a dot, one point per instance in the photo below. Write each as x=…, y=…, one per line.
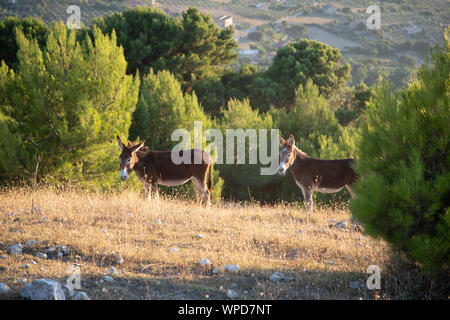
x=69, y=100
x=295, y=63
x=32, y=28
x=191, y=47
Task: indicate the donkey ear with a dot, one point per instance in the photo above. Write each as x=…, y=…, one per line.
x=291, y=141
x=137, y=147
x=121, y=146
x=282, y=141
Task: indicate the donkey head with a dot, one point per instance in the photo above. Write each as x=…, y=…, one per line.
x=287, y=154
x=128, y=157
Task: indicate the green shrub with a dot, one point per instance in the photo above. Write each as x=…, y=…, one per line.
x=404, y=162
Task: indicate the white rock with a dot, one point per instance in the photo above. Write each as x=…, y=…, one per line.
x=108, y=279
x=41, y=255
x=24, y=266
x=43, y=289
x=64, y=249
x=81, y=296
x=279, y=277
x=215, y=271
x=30, y=243
x=158, y=221
x=4, y=288
x=68, y=291
x=232, y=294
x=15, y=249
x=204, y=262
x=112, y=271
x=174, y=250
x=231, y=268
x=199, y=236
x=119, y=260
x=51, y=251
x=341, y=225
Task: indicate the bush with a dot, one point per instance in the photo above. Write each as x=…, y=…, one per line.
x=404, y=163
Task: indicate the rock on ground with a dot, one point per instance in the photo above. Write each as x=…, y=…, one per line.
x=204, y=262
x=81, y=296
x=43, y=289
x=41, y=255
x=231, y=268
x=4, y=288
x=30, y=243
x=15, y=249
x=279, y=277
x=68, y=291
x=215, y=271
x=341, y=225
x=232, y=294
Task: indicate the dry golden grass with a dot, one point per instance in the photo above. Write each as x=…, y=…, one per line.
x=320, y=258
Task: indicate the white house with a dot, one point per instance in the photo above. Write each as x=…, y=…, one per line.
x=248, y=53
x=261, y=6
x=413, y=29
x=329, y=9
x=224, y=21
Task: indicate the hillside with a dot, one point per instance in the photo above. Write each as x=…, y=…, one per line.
x=162, y=242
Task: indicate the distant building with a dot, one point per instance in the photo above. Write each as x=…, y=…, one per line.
x=280, y=44
x=329, y=9
x=170, y=12
x=224, y=21
x=248, y=52
x=135, y=3
x=261, y=6
x=355, y=22
x=413, y=29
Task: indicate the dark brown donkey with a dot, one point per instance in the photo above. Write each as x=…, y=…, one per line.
x=156, y=167
x=310, y=174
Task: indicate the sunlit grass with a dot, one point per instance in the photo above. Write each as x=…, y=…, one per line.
x=321, y=258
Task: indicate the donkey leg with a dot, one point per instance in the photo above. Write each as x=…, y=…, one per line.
x=207, y=197
x=307, y=197
x=309, y=200
x=198, y=191
x=155, y=191
x=145, y=190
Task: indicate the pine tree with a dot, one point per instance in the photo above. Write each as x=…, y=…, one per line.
x=404, y=163
x=69, y=100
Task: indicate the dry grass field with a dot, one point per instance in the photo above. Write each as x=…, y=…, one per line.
x=161, y=243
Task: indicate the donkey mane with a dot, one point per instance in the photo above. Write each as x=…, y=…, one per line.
x=300, y=153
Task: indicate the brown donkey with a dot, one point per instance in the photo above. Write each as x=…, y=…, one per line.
x=310, y=174
x=156, y=167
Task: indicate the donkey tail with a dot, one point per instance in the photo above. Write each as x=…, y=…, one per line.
x=210, y=182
